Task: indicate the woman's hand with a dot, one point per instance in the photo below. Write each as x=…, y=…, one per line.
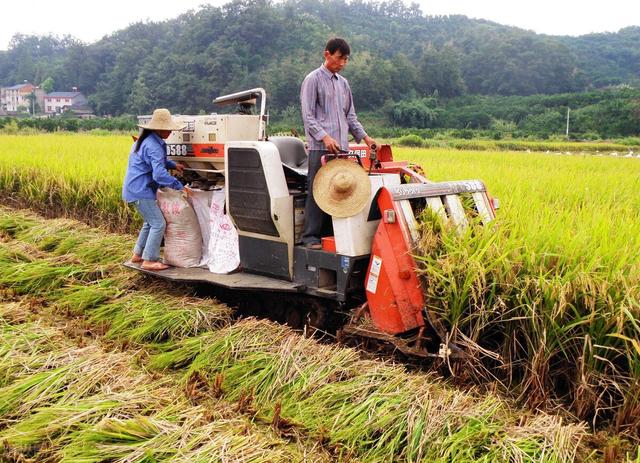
x=180, y=167
x=188, y=192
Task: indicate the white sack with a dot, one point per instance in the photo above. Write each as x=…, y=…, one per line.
x=201, y=202
x=182, y=237
x=224, y=253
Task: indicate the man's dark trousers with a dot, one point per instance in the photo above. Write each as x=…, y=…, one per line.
x=313, y=215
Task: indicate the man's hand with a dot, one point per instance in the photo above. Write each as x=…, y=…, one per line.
x=188, y=192
x=179, y=167
x=331, y=145
x=369, y=141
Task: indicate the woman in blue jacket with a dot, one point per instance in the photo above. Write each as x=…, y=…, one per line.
x=146, y=172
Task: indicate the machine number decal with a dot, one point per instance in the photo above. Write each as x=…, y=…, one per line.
x=361, y=153
x=374, y=273
x=177, y=150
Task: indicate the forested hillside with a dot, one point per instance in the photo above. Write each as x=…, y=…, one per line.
x=604, y=113
x=399, y=54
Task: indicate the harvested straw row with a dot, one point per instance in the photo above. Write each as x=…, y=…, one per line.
x=366, y=408
x=64, y=236
x=23, y=346
x=86, y=404
x=141, y=316
x=152, y=317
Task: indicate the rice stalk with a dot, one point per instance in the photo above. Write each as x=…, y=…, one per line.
x=26, y=346
x=65, y=377
x=363, y=408
x=556, y=328
x=82, y=404
x=80, y=298
x=143, y=318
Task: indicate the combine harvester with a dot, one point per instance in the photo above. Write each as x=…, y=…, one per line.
x=365, y=270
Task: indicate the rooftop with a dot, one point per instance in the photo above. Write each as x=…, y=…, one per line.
x=17, y=87
x=63, y=94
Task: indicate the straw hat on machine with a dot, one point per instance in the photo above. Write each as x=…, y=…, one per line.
x=162, y=120
x=341, y=188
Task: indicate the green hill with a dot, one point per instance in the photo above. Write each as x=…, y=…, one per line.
x=398, y=54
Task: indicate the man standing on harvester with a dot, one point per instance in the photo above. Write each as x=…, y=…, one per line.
x=328, y=116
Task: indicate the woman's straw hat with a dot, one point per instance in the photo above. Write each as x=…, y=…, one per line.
x=341, y=188
x=162, y=120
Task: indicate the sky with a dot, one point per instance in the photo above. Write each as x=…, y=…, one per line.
x=91, y=23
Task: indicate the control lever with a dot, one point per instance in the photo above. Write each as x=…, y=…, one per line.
x=342, y=154
x=373, y=156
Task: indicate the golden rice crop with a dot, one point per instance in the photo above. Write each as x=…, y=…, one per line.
x=554, y=287
x=65, y=175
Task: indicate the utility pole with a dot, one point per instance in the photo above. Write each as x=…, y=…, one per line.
x=33, y=95
x=568, y=111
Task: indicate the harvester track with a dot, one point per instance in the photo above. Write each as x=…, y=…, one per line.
x=330, y=322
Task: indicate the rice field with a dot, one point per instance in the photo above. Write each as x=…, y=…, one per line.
x=554, y=289
x=98, y=366
x=551, y=292
x=83, y=176
x=626, y=147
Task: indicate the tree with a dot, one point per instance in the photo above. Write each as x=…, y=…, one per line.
x=421, y=113
x=33, y=107
x=283, y=79
x=140, y=97
x=47, y=85
x=370, y=80
x=398, y=54
x=439, y=70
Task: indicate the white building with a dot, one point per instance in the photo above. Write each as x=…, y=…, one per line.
x=57, y=102
x=12, y=98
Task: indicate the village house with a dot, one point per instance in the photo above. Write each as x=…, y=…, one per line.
x=19, y=99
x=57, y=102
x=16, y=97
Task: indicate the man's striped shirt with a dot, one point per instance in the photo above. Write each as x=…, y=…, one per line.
x=327, y=109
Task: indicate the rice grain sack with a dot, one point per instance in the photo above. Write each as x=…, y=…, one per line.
x=224, y=252
x=182, y=237
x=201, y=202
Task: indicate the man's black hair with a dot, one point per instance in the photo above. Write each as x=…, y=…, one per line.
x=337, y=43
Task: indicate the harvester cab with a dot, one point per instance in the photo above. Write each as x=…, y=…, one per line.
x=365, y=267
